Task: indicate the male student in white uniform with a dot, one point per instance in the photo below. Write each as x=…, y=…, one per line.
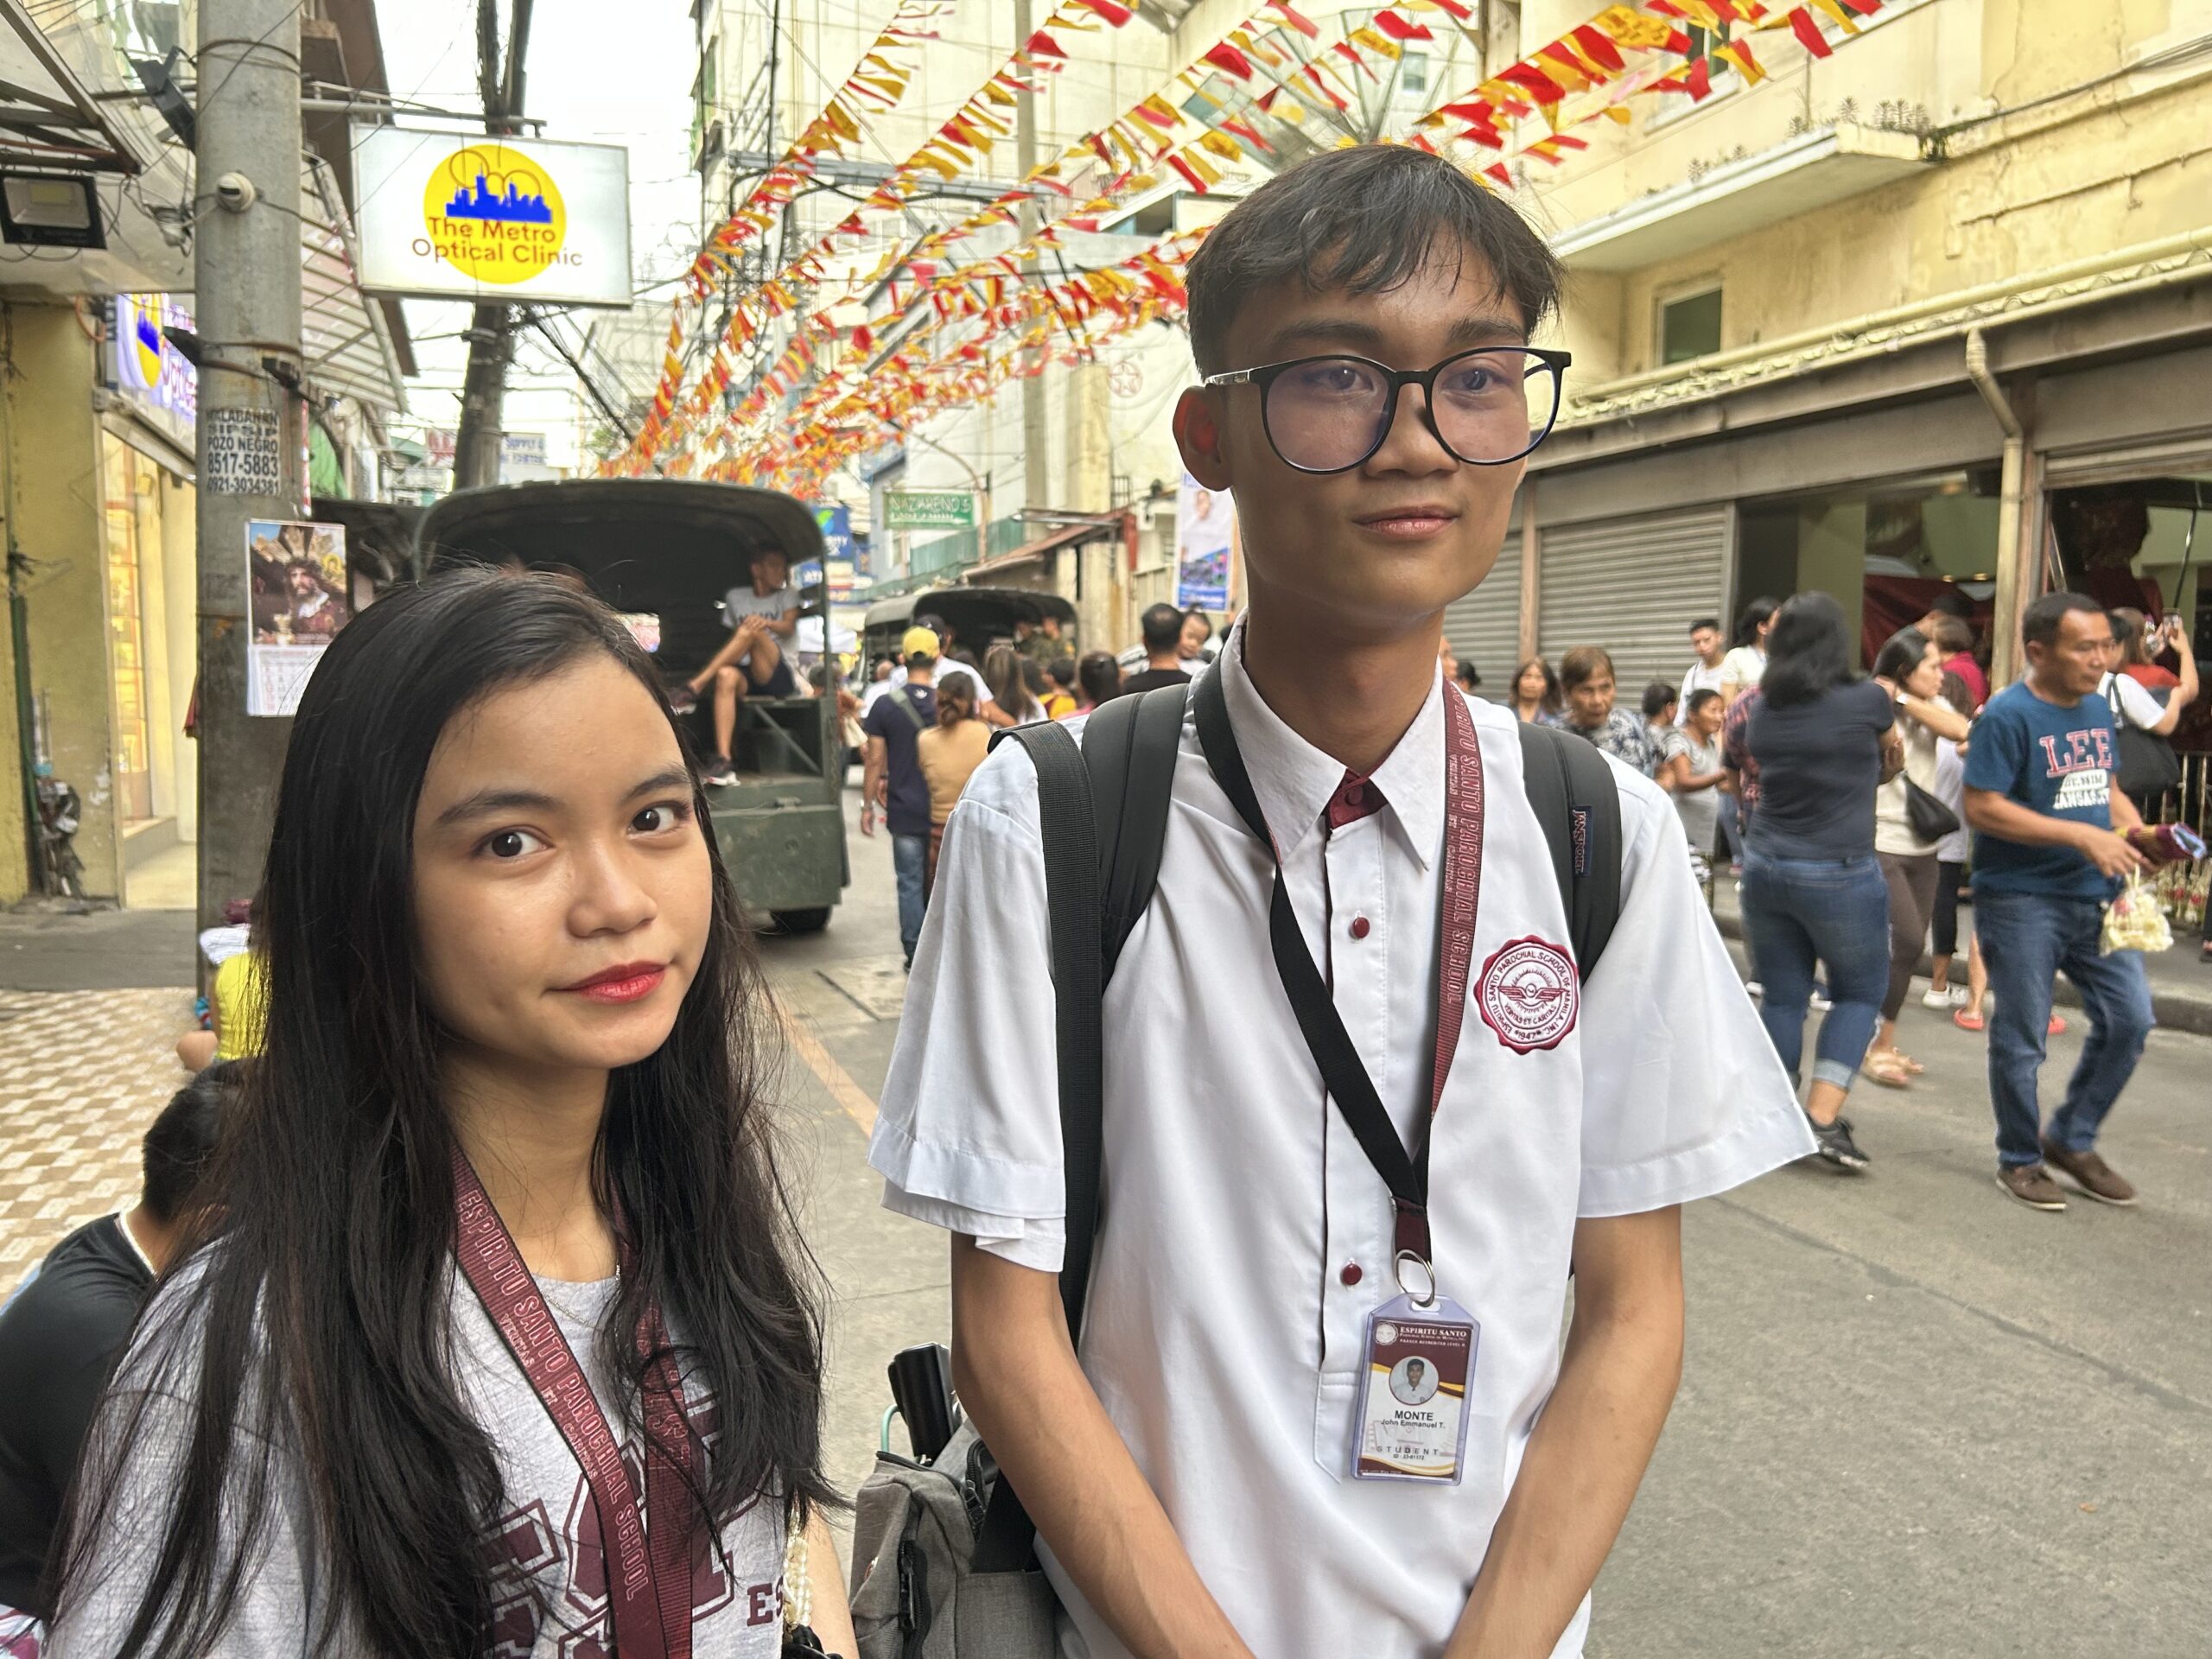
x=1191, y=1473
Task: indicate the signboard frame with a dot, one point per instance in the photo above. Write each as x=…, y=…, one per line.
x=929, y=510
x=532, y=198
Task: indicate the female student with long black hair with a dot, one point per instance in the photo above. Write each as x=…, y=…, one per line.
x=505, y=1344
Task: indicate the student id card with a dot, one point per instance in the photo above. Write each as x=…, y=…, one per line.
x=1413, y=1392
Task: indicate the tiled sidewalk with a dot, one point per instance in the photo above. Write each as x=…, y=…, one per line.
x=81, y=1074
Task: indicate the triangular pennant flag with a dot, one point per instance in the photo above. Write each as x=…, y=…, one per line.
x=1398, y=29
x=1227, y=58
x=1802, y=26
x=1599, y=49
x=1290, y=14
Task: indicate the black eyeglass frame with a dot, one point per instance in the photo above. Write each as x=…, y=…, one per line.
x=1262, y=375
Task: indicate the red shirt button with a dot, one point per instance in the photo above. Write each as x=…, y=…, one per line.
x=1359, y=927
x=1351, y=1275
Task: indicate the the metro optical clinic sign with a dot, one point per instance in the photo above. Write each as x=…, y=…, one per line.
x=449, y=215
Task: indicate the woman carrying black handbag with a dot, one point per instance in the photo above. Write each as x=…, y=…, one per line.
x=1909, y=823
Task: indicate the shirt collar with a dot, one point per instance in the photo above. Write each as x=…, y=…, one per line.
x=1293, y=780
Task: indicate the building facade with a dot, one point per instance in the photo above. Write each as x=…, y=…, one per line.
x=1933, y=310
x=97, y=454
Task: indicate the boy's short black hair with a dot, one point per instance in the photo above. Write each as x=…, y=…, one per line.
x=180, y=1143
x=1062, y=669
x=1363, y=219
x=1712, y=622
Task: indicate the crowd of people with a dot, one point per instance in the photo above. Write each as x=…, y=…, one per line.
x=1854, y=813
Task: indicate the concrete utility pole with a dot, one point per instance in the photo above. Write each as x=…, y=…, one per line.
x=491, y=328
x=1036, y=450
x=251, y=443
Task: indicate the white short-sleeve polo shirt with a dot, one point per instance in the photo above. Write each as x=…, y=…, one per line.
x=1245, y=1236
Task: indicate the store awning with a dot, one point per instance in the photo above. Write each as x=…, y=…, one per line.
x=1808, y=171
x=46, y=118
x=344, y=341
x=992, y=570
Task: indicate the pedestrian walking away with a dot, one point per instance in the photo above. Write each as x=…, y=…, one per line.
x=1911, y=822
x=1381, y=1116
x=1162, y=628
x=1813, y=894
x=891, y=782
x=1099, y=678
x=2053, y=837
x=490, y=1317
x=948, y=753
x=1586, y=675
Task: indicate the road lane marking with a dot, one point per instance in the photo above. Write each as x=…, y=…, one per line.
x=856, y=1102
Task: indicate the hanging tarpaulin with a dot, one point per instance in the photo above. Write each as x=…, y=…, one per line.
x=1204, y=525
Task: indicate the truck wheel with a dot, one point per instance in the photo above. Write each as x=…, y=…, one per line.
x=802, y=921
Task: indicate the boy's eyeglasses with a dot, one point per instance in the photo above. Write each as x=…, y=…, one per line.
x=1329, y=413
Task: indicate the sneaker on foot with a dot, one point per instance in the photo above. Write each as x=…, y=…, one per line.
x=2089, y=1171
x=719, y=773
x=1756, y=990
x=683, y=699
x=1820, y=1003
x=2031, y=1185
x=1833, y=1144
x=1938, y=998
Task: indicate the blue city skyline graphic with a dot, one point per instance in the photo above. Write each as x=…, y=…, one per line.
x=510, y=207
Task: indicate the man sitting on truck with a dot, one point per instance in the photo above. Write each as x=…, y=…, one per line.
x=764, y=616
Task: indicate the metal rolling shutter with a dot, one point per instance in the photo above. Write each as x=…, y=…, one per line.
x=1485, y=627
x=1633, y=586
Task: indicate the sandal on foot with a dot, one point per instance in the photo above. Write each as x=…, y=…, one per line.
x=1968, y=1019
x=1886, y=1067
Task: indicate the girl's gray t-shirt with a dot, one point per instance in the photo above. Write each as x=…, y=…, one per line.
x=549, y=1571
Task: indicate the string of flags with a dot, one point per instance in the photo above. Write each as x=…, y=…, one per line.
x=951, y=329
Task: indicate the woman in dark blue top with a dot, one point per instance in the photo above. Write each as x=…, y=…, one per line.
x=1821, y=739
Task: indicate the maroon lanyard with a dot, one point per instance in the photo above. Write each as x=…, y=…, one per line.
x=1343, y=1073
x=647, y=1552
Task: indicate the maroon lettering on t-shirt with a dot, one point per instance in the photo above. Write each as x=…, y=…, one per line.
x=2083, y=750
x=761, y=1604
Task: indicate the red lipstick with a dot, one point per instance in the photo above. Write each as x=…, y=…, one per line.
x=629, y=981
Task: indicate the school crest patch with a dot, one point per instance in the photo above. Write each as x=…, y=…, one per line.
x=1529, y=994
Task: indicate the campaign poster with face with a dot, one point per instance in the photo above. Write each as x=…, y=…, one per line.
x=1204, y=523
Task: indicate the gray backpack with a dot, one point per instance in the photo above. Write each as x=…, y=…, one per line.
x=943, y=1555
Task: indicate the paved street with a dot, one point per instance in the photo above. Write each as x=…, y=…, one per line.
x=1916, y=1418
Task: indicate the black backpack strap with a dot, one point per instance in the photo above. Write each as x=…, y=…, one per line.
x=1143, y=790
x=1578, y=805
x=1070, y=844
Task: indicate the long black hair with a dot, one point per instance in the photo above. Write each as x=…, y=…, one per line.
x=1901, y=653
x=1808, y=653
x=318, y=1316
x=1752, y=618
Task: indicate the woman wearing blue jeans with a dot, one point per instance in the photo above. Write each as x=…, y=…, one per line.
x=1823, y=741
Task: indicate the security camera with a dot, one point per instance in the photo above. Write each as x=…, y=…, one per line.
x=236, y=192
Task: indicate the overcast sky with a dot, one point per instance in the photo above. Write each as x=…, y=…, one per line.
x=609, y=72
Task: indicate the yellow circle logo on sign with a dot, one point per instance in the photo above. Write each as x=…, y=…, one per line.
x=494, y=214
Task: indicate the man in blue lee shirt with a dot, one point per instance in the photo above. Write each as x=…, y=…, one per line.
x=2053, y=838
